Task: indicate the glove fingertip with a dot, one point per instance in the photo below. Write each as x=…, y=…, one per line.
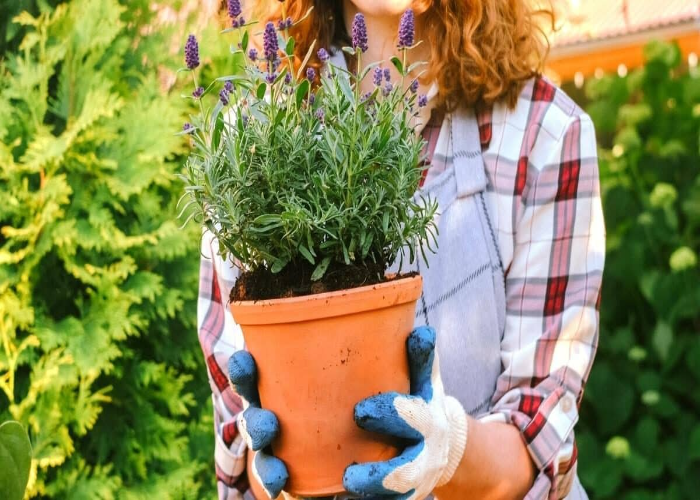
x=271, y=473
x=365, y=479
x=262, y=427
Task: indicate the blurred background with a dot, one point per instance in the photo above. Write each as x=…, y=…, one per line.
x=99, y=357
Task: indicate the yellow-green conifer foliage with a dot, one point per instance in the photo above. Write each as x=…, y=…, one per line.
x=98, y=351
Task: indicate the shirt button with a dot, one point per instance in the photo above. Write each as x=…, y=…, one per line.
x=566, y=404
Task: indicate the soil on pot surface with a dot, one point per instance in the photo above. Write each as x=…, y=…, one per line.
x=295, y=281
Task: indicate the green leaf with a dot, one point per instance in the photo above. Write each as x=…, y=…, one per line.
x=694, y=443
x=397, y=64
x=289, y=49
x=15, y=460
x=260, y=92
x=662, y=339
x=306, y=254
x=244, y=41
x=302, y=91
x=321, y=269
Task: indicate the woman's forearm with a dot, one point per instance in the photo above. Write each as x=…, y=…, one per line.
x=495, y=465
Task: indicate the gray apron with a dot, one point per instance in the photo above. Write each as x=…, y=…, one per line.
x=463, y=283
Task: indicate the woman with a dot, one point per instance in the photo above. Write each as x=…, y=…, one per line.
x=512, y=291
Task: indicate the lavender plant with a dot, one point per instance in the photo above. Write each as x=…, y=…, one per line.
x=294, y=168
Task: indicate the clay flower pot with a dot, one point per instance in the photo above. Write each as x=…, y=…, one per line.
x=318, y=356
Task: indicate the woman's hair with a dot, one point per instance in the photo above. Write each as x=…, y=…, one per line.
x=482, y=51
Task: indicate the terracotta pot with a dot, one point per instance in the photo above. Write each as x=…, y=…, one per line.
x=318, y=356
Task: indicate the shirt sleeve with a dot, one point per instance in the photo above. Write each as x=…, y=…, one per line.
x=220, y=337
x=552, y=301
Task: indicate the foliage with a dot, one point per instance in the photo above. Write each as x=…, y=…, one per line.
x=15, y=460
x=97, y=282
x=304, y=176
x=640, y=432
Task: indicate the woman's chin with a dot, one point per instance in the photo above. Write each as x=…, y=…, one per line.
x=382, y=7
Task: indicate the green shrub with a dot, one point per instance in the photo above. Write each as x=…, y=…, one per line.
x=639, y=437
x=99, y=357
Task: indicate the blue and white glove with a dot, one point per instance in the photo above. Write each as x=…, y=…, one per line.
x=435, y=424
x=257, y=426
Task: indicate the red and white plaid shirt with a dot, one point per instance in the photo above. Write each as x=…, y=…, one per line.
x=544, y=199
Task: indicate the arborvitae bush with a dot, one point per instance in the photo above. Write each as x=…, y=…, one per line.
x=99, y=356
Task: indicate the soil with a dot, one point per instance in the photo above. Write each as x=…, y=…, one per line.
x=295, y=281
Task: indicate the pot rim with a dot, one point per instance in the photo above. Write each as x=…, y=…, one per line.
x=327, y=304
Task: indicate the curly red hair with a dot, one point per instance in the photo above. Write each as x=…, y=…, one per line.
x=488, y=48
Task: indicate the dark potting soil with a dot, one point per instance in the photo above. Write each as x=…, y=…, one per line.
x=295, y=281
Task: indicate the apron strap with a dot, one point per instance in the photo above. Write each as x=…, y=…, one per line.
x=466, y=153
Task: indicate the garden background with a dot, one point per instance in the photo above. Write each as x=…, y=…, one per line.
x=100, y=359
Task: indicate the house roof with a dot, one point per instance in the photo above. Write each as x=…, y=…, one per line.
x=584, y=21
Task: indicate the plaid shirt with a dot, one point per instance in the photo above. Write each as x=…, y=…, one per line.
x=544, y=200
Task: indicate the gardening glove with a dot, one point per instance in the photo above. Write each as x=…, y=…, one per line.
x=257, y=426
x=435, y=424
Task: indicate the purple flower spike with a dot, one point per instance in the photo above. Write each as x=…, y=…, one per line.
x=198, y=92
x=288, y=23
x=191, y=52
x=377, y=77
x=270, y=78
x=234, y=9
x=228, y=86
x=387, y=74
x=359, y=33
x=320, y=115
x=407, y=30
x=187, y=127
x=270, y=45
x=288, y=78
x=223, y=97
x=312, y=99
x=310, y=74
x=323, y=55
x=387, y=89
x=414, y=86
x=422, y=101
x=253, y=54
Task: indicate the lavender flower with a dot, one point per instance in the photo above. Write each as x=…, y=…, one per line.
x=310, y=74
x=253, y=54
x=223, y=97
x=187, y=127
x=407, y=30
x=234, y=9
x=320, y=115
x=414, y=86
x=198, y=92
x=288, y=78
x=387, y=89
x=270, y=78
x=323, y=55
x=270, y=45
x=228, y=86
x=245, y=119
x=422, y=101
x=312, y=99
x=359, y=32
x=191, y=52
x=387, y=74
x=366, y=97
x=377, y=77
x=283, y=24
